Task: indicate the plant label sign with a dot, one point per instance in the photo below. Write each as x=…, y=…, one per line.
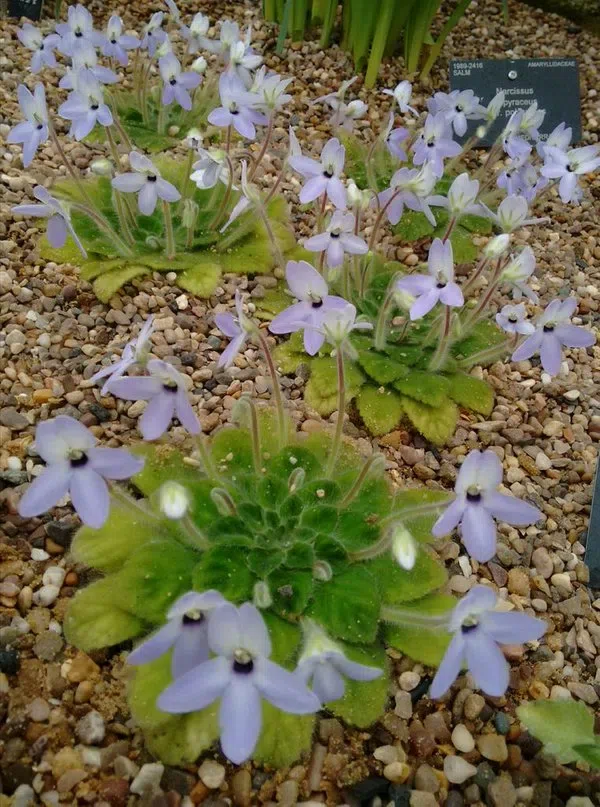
x=25, y=8
x=592, y=546
x=553, y=83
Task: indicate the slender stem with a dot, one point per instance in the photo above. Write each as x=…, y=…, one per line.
x=193, y=535
x=274, y=242
x=487, y=355
x=162, y=119
x=383, y=315
x=449, y=228
x=379, y=218
x=264, y=147
x=228, y=141
x=281, y=424
x=120, y=245
x=224, y=202
x=123, y=220
x=191, y=232
x=169, y=235
x=439, y=357
x=278, y=182
x=127, y=502
x=185, y=188
x=380, y=547
x=471, y=281
x=144, y=93
x=413, y=619
x=410, y=513
x=127, y=142
x=358, y=482
x=206, y=458
x=255, y=432
x=68, y=165
x=341, y=409
x=480, y=307
x=321, y=214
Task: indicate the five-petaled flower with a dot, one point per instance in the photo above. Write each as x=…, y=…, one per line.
x=567, y=166
x=146, y=181
x=478, y=630
x=458, y=107
x=240, y=675
x=176, y=84
x=461, y=199
x=78, y=28
x=85, y=107
x=135, y=352
x=512, y=214
x=238, y=329
x=435, y=143
x=337, y=324
x=153, y=33
x=410, y=187
x=196, y=33
x=237, y=108
x=323, y=176
x=59, y=222
x=212, y=167
x=436, y=287
x=75, y=465
x=553, y=331
x=165, y=391
x=338, y=240
x=41, y=46
x=401, y=95
x=513, y=319
x=33, y=131
x=116, y=43
x=186, y=632
x=478, y=502
x=311, y=290
x=518, y=272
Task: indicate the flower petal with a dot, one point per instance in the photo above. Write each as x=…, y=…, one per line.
x=529, y=347
x=129, y=183
x=327, y=683
x=89, y=494
x=487, y=664
x=283, y=689
x=254, y=630
x=511, y=510
x=240, y=719
x=551, y=354
x=449, y=518
x=574, y=336
x=191, y=647
x=424, y=304
x=135, y=388
x=224, y=632
x=115, y=463
x=156, y=645
x=45, y=490
x=449, y=669
x=197, y=688
x=185, y=413
x=478, y=532
x=291, y=319
x=157, y=416
x=354, y=670
x=513, y=627
x=147, y=198
x=315, y=187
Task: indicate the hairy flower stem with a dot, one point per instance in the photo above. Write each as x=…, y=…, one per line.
x=380, y=325
x=449, y=228
x=489, y=354
x=169, y=235
x=441, y=352
x=254, y=431
x=481, y=266
x=263, y=150
x=123, y=500
x=260, y=208
x=379, y=219
x=278, y=182
x=412, y=619
x=145, y=81
x=227, y=195
x=493, y=155
x=410, y=513
x=374, y=459
x=281, y=426
x=380, y=547
x=123, y=211
x=162, y=119
x=321, y=215
x=475, y=315
x=103, y=225
x=185, y=188
x=194, y=537
x=191, y=232
x=341, y=409
x=206, y=457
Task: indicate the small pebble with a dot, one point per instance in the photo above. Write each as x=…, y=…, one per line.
x=462, y=739
x=212, y=773
x=493, y=747
x=148, y=779
x=409, y=680
x=458, y=770
x=90, y=729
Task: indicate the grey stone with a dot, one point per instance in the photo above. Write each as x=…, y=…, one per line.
x=48, y=645
x=90, y=729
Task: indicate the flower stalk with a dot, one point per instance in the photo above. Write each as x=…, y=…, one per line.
x=170, y=249
x=341, y=410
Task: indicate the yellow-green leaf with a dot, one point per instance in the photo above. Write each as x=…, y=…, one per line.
x=380, y=408
x=436, y=423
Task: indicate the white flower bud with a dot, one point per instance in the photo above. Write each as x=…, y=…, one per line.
x=322, y=571
x=358, y=199
x=261, y=595
x=404, y=547
x=199, y=65
x=193, y=139
x=102, y=168
x=190, y=213
x=403, y=299
x=173, y=500
x=497, y=246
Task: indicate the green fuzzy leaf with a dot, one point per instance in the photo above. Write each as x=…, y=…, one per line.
x=69, y=253
x=292, y=457
x=400, y=586
x=224, y=569
x=426, y=646
x=381, y=368
x=300, y=556
x=589, y=753
x=92, y=268
x=471, y=393
x=271, y=491
x=153, y=578
x=427, y=387
x=201, y=281
x=484, y=335
x=420, y=527
x=288, y=356
x=291, y=591
x=323, y=518
x=274, y=302
x=109, y=283
x=232, y=449
x=463, y=248
x=285, y=639
x=146, y=683
x=264, y=561
x=93, y=620
x=331, y=551
x=380, y=410
x=476, y=224
x=284, y=738
x=162, y=463
x=413, y=226
x=323, y=375
x=364, y=701
x=347, y=606
x=436, y=423
x=560, y=725
x=324, y=405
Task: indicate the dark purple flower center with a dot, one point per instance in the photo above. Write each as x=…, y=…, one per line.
x=440, y=284
x=327, y=173
x=94, y=107
x=78, y=33
x=79, y=462
x=473, y=497
x=173, y=82
x=513, y=318
x=39, y=126
x=170, y=386
x=113, y=41
x=335, y=235
x=431, y=143
x=152, y=178
x=193, y=618
x=569, y=168
x=317, y=303
x=468, y=628
x=549, y=327
x=458, y=108
x=243, y=667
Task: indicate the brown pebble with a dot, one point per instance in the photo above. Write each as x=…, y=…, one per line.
x=115, y=791
x=241, y=788
x=199, y=792
x=53, y=548
x=84, y=692
x=71, y=579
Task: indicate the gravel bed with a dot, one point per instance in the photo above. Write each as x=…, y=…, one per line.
x=65, y=728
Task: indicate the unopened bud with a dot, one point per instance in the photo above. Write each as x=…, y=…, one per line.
x=404, y=547
x=102, y=168
x=199, y=65
x=497, y=246
x=358, y=198
x=322, y=571
x=261, y=595
x=223, y=502
x=480, y=131
x=173, y=500
x=190, y=213
x=296, y=479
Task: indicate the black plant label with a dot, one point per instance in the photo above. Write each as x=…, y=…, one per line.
x=25, y=8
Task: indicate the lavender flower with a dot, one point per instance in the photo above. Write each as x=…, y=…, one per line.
x=401, y=95
x=531, y=121
x=493, y=109
x=59, y=222
x=176, y=85
x=513, y=319
x=337, y=324
x=436, y=287
x=478, y=503
x=116, y=43
x=85, y=108
x=553, y=331
x=153, y=34
x=237, y=108
x=135, y=352
x=568, y=166
x=435, y=143
x=75, y=466
x=85, y=66
x=212, y=167
x=33, y=131
x=323, y=177
x=461, y=199
x=338, y=240
x=559, y=137
x=394, y=138
x=334, y=99
x=311, y=291
x=196, y=33
x=346, y=114
x=458, y=107
x=271, y=91
x=242, y=60
x=42, y=47
x=186, y=632
x=518, y=271
x=412, y=188
x=228, y=34
x=512, y=214
x=478, y=630
x=520, y=178
x=165, y=391
x=238, y=329
x=78, y=29
x=241, y=675
x=324, y=663
x=513, y=144
x=146, y=181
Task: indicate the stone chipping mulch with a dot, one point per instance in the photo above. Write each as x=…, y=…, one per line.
x=65, y=729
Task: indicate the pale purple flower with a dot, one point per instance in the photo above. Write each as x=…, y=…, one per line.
x=559, y=137
x=240, y=675
x=553, y=331
x=478, y=631
x=531, y=120
x=165, y=391
x=249, y=197
x=228, y=34
x=242, y=61
x=337, y=324
x=493, y=109
x=85, y=66
x=33, y=131
x=238, y=329
x=85, y=108
x=78, y=29
x=410, y=187
x=513, y=144
x=346, y=114
x=135, y=352
x=325, y=664
x=567, y=166
x=323, y=176
x=513, y=319
x=394, y=138
x=59, y=224
x=153, y=34
x=435, y=143
x=146, y=181
x=458, y=107
x=176, y=84
x=461, y=198
x=436, y=287
x=237, y=108
x=270, y=90
x=338, y=240
x=42, y=47
x=401, y=95
x=512, y=214
x=212, y=167
x=116, y=43
x=75, y=465
x=333, y=99
x=196, y=33
x=310, y=289
x=478, y=503
x=517, y=273
x=186, y=633
x=174, y=12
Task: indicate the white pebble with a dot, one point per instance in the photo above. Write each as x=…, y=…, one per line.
x=182, y=302
x=54, y=576
x=562, y=580
x=409, y=680
x=14, y=464
x=572, y=394
x=148, y=779
x=46, y=595
x=462, y=739
x=458, y=770
x=55, y=626
x=39, y=554
x=558, y=693
x=543, y=462
x=171, y=276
